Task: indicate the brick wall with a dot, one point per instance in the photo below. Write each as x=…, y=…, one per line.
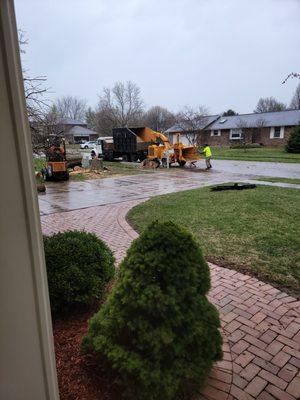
x=259, y=135
x=265, y=139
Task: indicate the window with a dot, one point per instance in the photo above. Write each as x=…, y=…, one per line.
x=277, y=132
x=215, y=132
x=236, y=134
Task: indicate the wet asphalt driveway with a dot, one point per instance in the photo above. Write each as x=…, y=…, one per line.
x=66, y=196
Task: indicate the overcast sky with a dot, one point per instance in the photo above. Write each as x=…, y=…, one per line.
x=218, y=53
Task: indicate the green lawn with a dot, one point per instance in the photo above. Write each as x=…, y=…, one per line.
x=257, y=154
x=283, y=180
x=39, y=163
x=125, y=169
x=253, y=231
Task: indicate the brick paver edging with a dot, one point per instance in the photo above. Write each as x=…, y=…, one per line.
x=260, y=324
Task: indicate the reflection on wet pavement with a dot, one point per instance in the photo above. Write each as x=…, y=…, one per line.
x=64, y=196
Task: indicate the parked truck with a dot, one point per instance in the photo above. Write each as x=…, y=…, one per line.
x=124, y=144
x=144, y=144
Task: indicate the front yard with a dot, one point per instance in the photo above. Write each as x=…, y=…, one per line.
x=271, y=154
x=111, y=169
x=253, y=231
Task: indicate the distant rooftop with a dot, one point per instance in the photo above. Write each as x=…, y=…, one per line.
x=203, y=123
x=255, y=120
x=80, y=131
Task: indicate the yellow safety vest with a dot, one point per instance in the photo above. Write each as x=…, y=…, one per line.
x=207, y=151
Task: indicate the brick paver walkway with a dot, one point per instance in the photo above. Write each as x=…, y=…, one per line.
x=260, y=324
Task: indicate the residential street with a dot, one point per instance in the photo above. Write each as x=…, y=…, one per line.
x=271, y=169
x=65, y=196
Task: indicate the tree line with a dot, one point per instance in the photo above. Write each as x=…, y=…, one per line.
x=119, y=106
x=122, y=105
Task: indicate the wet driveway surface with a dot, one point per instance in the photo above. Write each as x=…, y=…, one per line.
x=66, y=196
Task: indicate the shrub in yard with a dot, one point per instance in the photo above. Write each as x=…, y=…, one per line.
x=293, y=144
x=157, y=327
x=78, y=267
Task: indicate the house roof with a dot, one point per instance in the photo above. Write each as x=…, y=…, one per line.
x=70, y=121
x=81, y=131
x=203, y=123
x=278, y=118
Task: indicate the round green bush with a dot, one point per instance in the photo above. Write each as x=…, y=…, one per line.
x=293, y=144
x=157, y=328
x=79, y=265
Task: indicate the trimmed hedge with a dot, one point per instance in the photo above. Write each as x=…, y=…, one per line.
x=157, y=327
x=79, y=265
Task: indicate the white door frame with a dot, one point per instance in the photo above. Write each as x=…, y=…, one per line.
x=27, y=362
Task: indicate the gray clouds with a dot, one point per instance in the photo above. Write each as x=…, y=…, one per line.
x=220, y=53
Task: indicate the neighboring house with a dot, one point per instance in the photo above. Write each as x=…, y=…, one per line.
x=267, y=129
x=68, y=123
x=77, y=134
x=75, y=131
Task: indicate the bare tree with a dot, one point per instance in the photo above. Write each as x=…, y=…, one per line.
x=269, y=104
x=36, y=104
x=119, y=106
x=191, y=122
x=71, y=107
x=159, y=118
x=241, y=128
x=248, y=132
x=295, y=102
x=33, y=86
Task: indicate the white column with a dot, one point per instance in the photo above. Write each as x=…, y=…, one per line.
x=27, y=363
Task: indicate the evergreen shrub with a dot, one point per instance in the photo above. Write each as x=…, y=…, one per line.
x=157, y=328
x=79, y=265
x=293, y=144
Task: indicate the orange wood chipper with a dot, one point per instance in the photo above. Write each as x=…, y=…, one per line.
x=161, y=151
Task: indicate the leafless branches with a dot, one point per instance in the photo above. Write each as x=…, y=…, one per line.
x=159, y=118
x=269, y=104
x=291, y=75
x=36, y=103
x=119, y=106
x=191, y=122
x=71, y=107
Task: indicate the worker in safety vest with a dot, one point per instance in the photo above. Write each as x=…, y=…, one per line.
x=207, y=153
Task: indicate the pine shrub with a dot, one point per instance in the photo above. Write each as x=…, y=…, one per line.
x=79, y=265
x=157, y=328
x=293, y=144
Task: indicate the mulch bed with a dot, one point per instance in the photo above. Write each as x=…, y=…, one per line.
x=80, y=377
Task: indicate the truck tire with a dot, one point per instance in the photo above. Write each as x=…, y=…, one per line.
x=127, y=157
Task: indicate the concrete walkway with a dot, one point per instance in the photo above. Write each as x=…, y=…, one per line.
x=260, y=324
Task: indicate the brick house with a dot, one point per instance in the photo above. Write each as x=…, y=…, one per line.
x=267, y=129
